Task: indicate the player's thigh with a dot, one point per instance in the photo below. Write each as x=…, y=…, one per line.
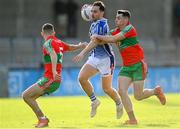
x=124, y=83
x=33, y=91
x=126, y=72
x=138, y=87
x=140, y=71
x=106, y=66
x=49, y=89
x=87, y=71
x=107, y=82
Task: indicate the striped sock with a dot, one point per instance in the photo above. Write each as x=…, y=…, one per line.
x=92, y=97
x=118, y=102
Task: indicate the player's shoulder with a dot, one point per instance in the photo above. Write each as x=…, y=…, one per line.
x=57, y=41
x=128, y=28
x=129, y=31
x=47, y=43
x=52, y=42
x=60, y=43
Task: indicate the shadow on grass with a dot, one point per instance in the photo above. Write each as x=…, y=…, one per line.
x=133, y=126
x=68, y=128
x=117, y=126
x=156, y=102
x=157, y=125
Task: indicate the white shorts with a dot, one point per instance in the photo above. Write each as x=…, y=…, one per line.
x=105, y=65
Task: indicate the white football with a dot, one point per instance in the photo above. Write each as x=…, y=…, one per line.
x=86, y=12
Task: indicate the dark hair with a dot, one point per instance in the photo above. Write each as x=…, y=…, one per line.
x=125, y=13
x=48, y=28
x=100, y=4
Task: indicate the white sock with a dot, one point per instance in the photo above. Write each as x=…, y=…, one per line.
x=44, y=117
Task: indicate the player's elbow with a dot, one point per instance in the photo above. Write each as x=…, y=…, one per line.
x=116, y=38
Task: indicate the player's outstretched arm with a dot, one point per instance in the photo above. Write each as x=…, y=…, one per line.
x=87, y=49
x=73, y=47
x=108, y=38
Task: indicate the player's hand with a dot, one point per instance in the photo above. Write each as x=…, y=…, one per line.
x=93, y=37
x=83, y=44
x=57, y=77
x=78, y=58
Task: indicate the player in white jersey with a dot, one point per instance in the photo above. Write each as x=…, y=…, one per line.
x=101, y=60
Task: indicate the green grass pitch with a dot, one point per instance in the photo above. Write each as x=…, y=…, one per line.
x=73, y=112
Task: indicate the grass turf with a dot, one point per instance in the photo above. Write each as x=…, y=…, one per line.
x=73, y=112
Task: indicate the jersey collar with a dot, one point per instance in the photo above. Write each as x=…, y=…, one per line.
x=102, y=19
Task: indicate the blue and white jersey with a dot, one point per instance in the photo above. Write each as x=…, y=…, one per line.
x=100, y=27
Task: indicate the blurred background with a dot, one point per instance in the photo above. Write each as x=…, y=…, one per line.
x=157, y=23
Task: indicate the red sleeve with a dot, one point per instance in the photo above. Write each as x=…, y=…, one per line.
x=131, y=33
x=65, y=46
x=55, y=46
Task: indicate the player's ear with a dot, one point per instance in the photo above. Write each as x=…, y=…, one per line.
x=54, y=33
x=127, y=20
x=42, y=34
x=102, y=13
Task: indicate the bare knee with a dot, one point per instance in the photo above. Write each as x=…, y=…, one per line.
x=107, y=90
x=82, y=79
x=122, y=92
x=138, y=97
x=25, y=96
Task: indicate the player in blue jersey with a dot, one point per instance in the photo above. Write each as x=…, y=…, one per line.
x=101, y=60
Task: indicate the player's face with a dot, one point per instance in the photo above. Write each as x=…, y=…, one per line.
x=96, y=13
x=120, y=20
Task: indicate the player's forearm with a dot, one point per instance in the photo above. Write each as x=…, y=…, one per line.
x=54, y=62
x=106, y=39
x=73, y=47
x=88, y=48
